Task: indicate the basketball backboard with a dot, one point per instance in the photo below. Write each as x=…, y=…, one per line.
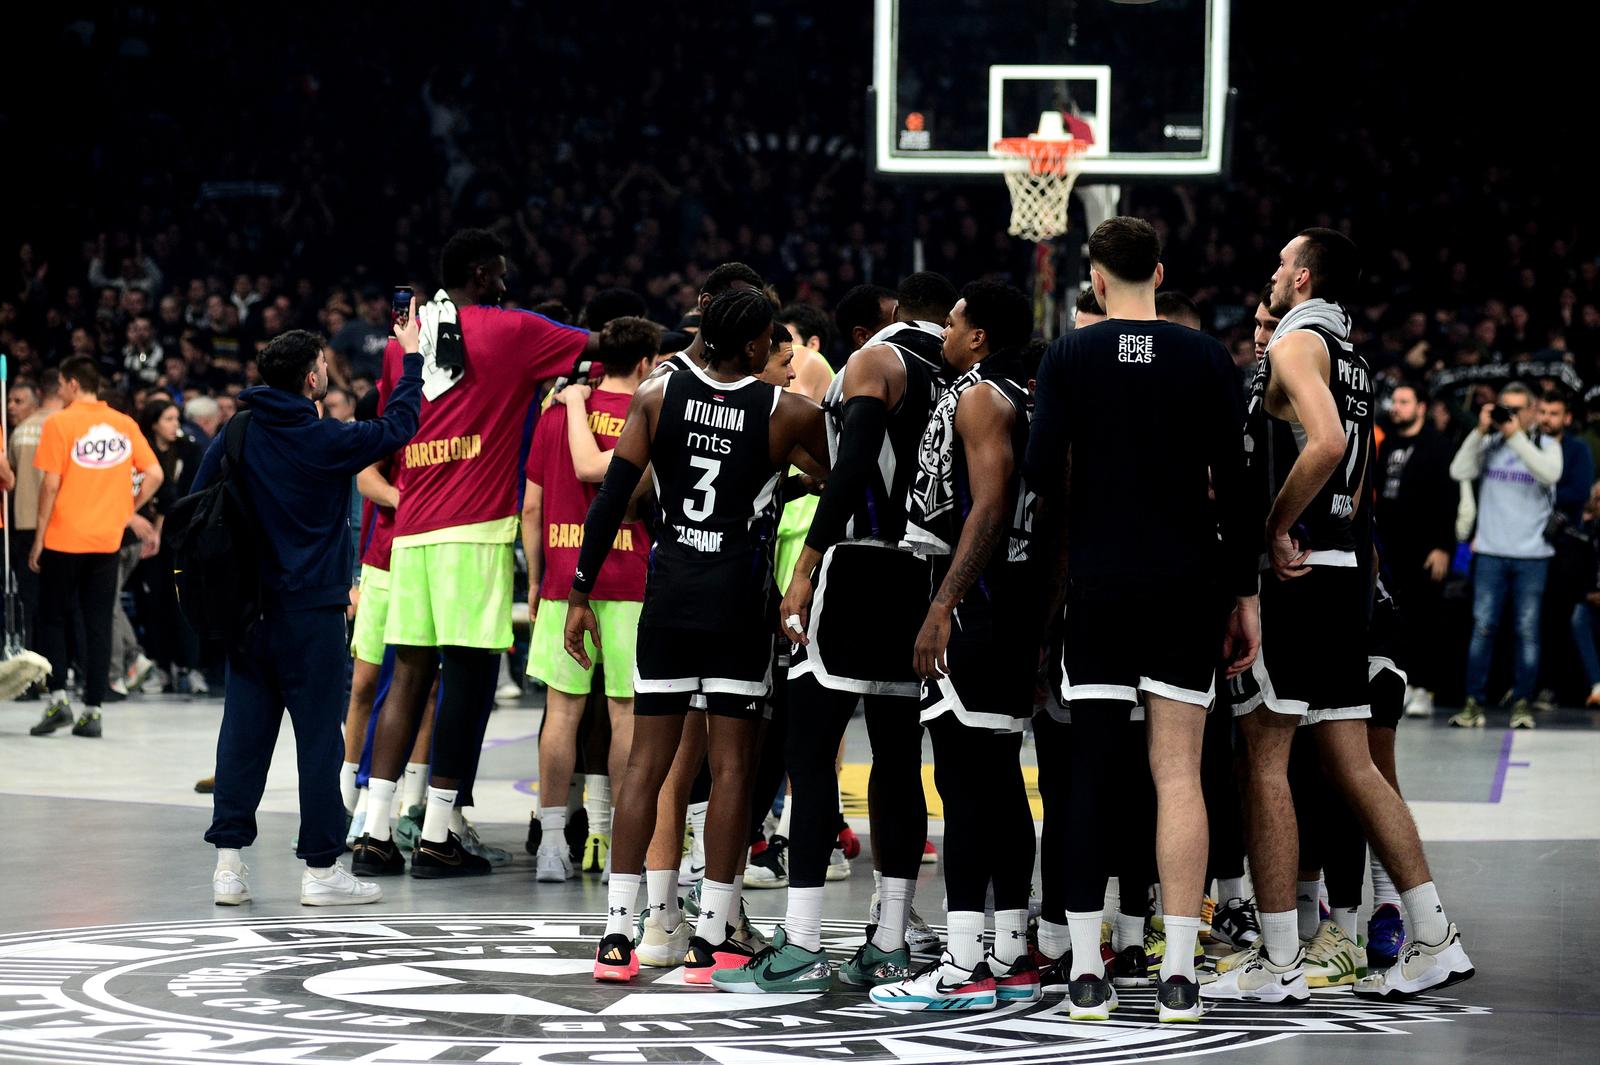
x=1147, y=78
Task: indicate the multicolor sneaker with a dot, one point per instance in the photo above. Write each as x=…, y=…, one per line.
x=871, y=966
x=1054, y=974
x=1235, y=924
x=940, y=985
x=1178, y=1001
x=56, y=715
x=1257, y=979
x=782, y=968
x=659, y=948
x=1422, y=967
x=1155, y=950
x=703, y=960
x=89, y=724
x=596, y=849
x=770, y=867
x=408, y=827
x=615, y=961
x=746, y=934
x=1091, y=998
x=1333, y=959
x=691, y=901
x=1386, y=934
x=1471, y=716
x=1132, y=967
x=1017, y=982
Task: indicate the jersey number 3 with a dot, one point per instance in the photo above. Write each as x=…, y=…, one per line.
x=702, y=509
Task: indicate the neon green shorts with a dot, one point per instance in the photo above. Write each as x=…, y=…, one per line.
x=450, y=595
x=371, y=616
x=619, y=636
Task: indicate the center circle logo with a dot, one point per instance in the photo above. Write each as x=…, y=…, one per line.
x=407, y=989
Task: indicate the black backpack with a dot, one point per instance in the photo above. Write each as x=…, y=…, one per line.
x=215, y=550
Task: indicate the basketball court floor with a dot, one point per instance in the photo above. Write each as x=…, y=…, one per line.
x=111, y=949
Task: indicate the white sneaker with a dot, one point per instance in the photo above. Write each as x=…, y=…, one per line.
x=1422, y=967
x=692, y=869
x=553, y=865
x=119, y=686
x=507, y=693
x=196, y=681
x=1420, y=704
x=137, y=674
x=1257, y=979
x=337, y=888
x=228, y=887
x=838, y=866
x=660, y=949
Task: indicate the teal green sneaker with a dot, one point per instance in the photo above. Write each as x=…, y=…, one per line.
x=870, y=966
x=781, y=969
x=691, y=901
x=408, y=827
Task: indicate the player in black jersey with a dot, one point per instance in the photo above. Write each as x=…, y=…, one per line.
x=717, y=440
x=853, y=608
x=729, y=277
x=1309, y=432
x=977, y=650
x=1147, y=578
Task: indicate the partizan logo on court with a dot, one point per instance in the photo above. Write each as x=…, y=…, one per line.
x=418, y=988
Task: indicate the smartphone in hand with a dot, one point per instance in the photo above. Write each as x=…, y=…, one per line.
x=401, y=304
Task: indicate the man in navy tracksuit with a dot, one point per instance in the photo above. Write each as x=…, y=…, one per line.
x=297, y=470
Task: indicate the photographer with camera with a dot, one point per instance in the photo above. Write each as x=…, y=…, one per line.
x=1516, y=468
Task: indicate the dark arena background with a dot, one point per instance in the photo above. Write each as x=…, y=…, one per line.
x=189, y=188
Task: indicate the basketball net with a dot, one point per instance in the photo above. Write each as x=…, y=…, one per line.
x=1045, y=167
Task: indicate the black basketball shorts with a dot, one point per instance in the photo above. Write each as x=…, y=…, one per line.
x=1168, y=647
x=730, y=671
x=1314, y=648
x=869, y=605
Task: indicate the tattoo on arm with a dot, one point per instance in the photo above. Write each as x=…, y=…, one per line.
x=982, y=531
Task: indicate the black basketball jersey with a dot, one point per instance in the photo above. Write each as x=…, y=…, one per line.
x=1328, y=525
x=881, y=512
x=716, y=493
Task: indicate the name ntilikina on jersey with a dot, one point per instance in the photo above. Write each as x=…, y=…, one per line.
x=714, y=416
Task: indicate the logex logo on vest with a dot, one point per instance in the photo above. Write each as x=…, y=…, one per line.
x=102, y=447
x=515, y=989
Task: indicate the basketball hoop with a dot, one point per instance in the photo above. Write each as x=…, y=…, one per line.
x=1044, y=168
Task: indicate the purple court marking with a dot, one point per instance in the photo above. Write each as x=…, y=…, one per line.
x=525, y=786
x=490, y=745
x=1497, y=789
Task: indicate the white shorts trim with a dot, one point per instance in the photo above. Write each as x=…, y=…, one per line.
x=1183, y=695
x=950, y=703
x=812, y=665
x=1377, y=664
x=664, y=687
x=1270, y=698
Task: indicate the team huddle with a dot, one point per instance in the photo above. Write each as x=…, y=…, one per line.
x=966, y=535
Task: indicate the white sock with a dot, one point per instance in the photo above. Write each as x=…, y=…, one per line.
x=554, y=820
x=1424, y=915
x=1182, y=933
x=894, y=902
x=1127, y=932
x=458, y=822
x=1383, y=889
x=716, y=910
x=661, y=895
x=347, y=786
x=230, y=858
x=1348, y=919
x=697, y=824
x=380, y=796
x=436, y=823
x=1280, y=936
x=966, y=937
x=1084, y=929
x=322, y=873
x=597, y=801
x=58, y=697
x=621, y=893
x=361, y=805
x=1230, y=888
x=783, y=818
x=802, y=921
x=1054, y=939
x=1010, y=935
x=736, y=903
x=416, y=785
x=1305, y=908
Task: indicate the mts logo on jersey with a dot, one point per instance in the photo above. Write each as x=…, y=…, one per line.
x=102, y=447
x=1136, y=349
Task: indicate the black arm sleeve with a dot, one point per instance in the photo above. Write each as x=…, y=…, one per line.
x=605, y=518
x=866, y=419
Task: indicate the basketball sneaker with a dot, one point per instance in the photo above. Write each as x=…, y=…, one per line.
x=702, y=961
x=371, y=857
x=770, y=868
x=1018, y=982
x=691, y=901
x=553, y=864
x=495, y=856
x=1132, y=967
x=89, y=724
x=615, y=960
x=940, y=985
x=1420, y=704
x=1257, y=979
x=746, y=934
x=439, y=861
x=535, y=834
x=1386, y=934
x=596, y=849
x=782, y=968
x=692, y=869
x=1091, y=998
x=1422, y=967
x=1471, y=716
x=1178, y=1001
x=1208, y=912
x=1333, y=959
x=57, y=715
x=659, y=948
x=334, y=886
x=871, y=966
x=838, y=865
x=1235, y=924
x=1521, y=715
x=408, y=827
x=1054, y=973
x=1155, y=950
x=228, y=887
